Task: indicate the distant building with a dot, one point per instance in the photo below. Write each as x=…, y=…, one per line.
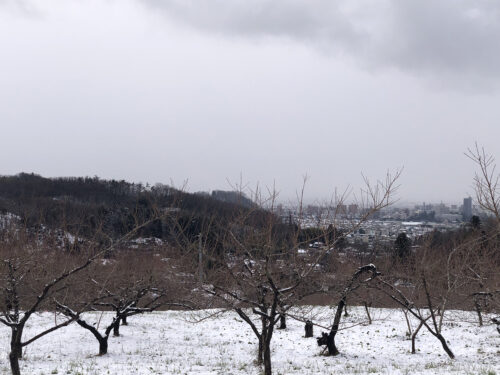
x=341, y=209
x=467, y=209
x=353, y=209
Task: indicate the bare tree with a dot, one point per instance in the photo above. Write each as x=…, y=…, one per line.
x=352, y=285
x=26, y=264
x=252, y=275
x=487, y=189
x=129, y=284
x=124, y=305
x=261, y=275
x=486, y=180
x=20, y=267
x=418, y=312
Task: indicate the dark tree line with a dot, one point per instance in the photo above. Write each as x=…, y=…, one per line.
x=85, y=206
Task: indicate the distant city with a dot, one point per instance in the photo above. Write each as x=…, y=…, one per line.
x=385, y=225
x=424, y=212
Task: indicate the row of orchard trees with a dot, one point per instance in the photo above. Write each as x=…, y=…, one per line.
x=261, y=288
x=36, y=276
x=259, y=280
x=250, y=263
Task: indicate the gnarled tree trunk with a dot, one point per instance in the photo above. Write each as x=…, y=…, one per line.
x=445, y=346
x=267, y=360
x=103, y=345
x=260, y=353
x=351, y=286
x=16, y=350
x=267, y=336
x=330, y=344
x=14, y=364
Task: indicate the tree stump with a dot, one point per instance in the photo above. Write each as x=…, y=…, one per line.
x=282, y=322
x=309, y=329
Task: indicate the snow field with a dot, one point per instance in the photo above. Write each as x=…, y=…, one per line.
x=169, y=343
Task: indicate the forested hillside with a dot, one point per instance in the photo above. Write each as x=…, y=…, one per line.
x=88, y=205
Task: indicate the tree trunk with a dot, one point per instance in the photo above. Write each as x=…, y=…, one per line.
x=409, y=333
x=116, y=328
x=124, y=321
x=267, y=360
x=414, y=336
x=445, y=346
x=332, y=349
x=15, y=342
x=282, y=322
x=103, y=345
x=16, y=349
x=330, y=344
x=260, y=353
x=368, y=313
x=342, y=305
x=14, y=363
x=267, y=335
x=478, y=310
x=102, y=339
x=309, y=328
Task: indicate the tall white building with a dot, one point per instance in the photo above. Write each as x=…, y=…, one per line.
x=467, y=209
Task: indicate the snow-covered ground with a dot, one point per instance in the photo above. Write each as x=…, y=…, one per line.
x=168, y=343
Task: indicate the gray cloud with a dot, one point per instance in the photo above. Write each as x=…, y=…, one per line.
x=311, y=21
x=208, y=90
x=455, y=43
x=463, y=36
x=20, y=7
x=453, y=40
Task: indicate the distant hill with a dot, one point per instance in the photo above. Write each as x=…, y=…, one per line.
x=89, y=205
x=233, y=197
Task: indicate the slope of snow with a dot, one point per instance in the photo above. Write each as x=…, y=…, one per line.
x=168, y=343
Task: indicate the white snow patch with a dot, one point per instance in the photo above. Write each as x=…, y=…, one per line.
x=166, y=343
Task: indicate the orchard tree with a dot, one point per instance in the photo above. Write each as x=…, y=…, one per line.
x=356, y=282
x=25, y=266
x=33, y=276
x=126, y=285
x=261, y=274
x=484, y=271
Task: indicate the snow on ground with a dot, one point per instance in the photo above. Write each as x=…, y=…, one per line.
x=7, y=219
x=167, y=343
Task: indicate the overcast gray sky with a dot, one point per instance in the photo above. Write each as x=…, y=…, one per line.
x=206, y=91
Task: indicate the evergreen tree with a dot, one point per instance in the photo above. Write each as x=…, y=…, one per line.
x=402, y=246
x=475, y=222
